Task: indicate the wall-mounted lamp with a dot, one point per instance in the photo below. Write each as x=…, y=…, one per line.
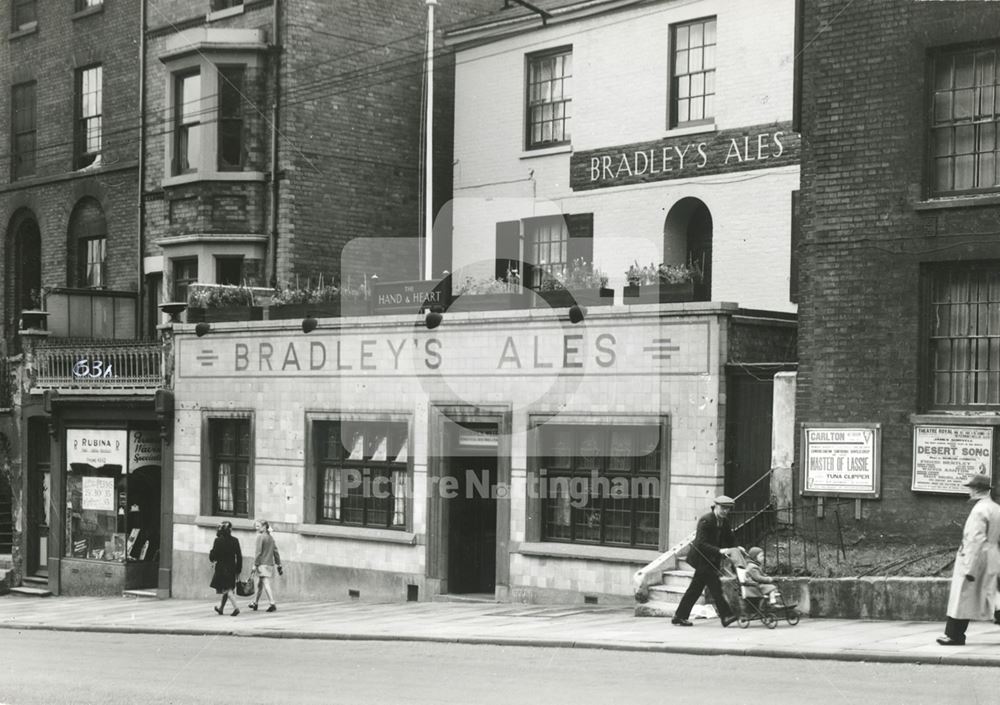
x=309, y=324
x=201, y=329
x=576, y=313
x=433, y=319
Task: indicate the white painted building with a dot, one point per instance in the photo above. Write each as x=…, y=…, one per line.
x=664, y=127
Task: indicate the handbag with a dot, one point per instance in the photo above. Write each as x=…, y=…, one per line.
x=246, y=588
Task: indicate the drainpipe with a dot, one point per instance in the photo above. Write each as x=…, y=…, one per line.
x=272, y=246
x=141, y=205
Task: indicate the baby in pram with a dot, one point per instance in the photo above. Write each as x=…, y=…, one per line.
x=755, y=583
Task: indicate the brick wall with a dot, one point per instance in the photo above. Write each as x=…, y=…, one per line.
x=865, y=137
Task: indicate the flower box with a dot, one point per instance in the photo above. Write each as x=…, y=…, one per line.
x=659, y=293
x=221, y=314
x=465, y=303
x=564, y=298
x=319, y=309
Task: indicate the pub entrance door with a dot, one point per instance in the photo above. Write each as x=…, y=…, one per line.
x=472, y=525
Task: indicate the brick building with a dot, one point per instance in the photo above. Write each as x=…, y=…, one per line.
x=898, y=256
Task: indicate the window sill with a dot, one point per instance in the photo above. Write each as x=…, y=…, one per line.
x=196, y=177
x=547, y=151
x=23, y=31
x=210, y=522
x=692, y=130
x=607, y=554
x=223, y=14
x=986, y=199
x=95, y=10
x=358, y=533
x=961, y=418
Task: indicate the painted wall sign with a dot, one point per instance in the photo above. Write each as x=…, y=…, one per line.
x=144, y=450
x=97, y=447
x=841, y=460
x=98, y=494
x=662, y=348
x=945, y=456
x=742, y=149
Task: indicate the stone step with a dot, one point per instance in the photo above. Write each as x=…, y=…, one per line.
x=679, y=578
x=140, y=594
x=478, y=598
x=35, y=580
x=670, y=594
x=30, y=591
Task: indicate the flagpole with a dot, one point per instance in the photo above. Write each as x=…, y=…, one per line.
x=429, y=149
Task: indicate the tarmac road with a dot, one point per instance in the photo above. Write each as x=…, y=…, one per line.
x=58, y=668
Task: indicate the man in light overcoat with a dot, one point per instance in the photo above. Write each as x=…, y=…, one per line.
x=977, y=565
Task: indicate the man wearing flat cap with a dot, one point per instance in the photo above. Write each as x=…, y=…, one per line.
x=974, y=580
x=705, y=555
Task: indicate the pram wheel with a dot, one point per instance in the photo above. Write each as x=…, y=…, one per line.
x=792, y=616
x=743, y=622
x=769, y=619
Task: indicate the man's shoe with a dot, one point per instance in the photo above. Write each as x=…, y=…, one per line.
x=678, y=622
x=726, y=621
x=272, y=608
x=948, y=641
x=236, y=612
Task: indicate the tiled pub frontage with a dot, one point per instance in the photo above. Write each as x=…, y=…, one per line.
x=513, y=454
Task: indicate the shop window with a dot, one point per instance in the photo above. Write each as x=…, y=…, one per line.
x=187, y=122
x=25, y=14
x=185, y=274
x=965, y=123
x=25, y=128
x=232, y=142
x=600, y=484
x=230, y=449
x=360, y=468
x=962, y=324
x=549, y=98
x=89, y=91
x=692, y=73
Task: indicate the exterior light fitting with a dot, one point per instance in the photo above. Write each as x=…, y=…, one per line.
x=576, y=313
x=433, y=319
x=309, y=324
x=201, y=329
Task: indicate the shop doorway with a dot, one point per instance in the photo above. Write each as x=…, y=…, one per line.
x=39, y=486
x=472, y=525
x=748, y=436
x=6, y=518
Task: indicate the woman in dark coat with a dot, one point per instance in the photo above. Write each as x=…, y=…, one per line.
x=228, y=559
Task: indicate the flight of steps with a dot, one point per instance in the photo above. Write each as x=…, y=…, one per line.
x=32, y=586
x=664, y=597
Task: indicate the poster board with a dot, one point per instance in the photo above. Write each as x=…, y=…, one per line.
x=841, y=460
x=98, y=494
x=946, y=456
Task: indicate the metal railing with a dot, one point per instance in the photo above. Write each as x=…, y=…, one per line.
x=97, y=365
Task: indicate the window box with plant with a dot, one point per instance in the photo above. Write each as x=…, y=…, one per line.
x=661, y=283
x=214, y=303
x=489, y=294
x=580, y=285
x=292, y=302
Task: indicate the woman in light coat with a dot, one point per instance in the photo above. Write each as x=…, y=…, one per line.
x=266, y=560
x=977, y=565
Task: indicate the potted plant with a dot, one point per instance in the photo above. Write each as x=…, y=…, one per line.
x=488, y=294
x=321, y=301
x=579, y=284
x=661, y=283
x=212, y=303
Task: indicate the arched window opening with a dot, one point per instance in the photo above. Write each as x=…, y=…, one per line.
x=687, y=239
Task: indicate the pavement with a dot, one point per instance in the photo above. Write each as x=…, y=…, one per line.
x=508, y=624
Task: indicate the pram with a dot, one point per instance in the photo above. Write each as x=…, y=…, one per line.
x=755, y=605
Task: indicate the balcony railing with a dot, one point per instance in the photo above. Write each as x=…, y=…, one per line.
x=99, y=366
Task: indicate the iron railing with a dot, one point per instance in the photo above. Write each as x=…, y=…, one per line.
x=95, y=365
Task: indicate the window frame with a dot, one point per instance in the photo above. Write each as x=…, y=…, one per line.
x=317, y=463
x=536, y=269
x=529, y=60
x=23, y=161
x=973, y=121
x=210, y=461
x=82, y=157
x=674, y=93
x=226, y=89
x=85, y=261
x=177, y=282
x=182, y=128
x=81, y=5
x=931, y=275
x=217, y=5
x=30, y=7
x=539, y=502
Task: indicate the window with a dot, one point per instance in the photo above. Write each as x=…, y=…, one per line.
x=229, y=270
x=231, y=141
x=548, y=240
x=692, y=73
x=223, y=4
x=361, y=471
x=549, y=95
x=966, y=121
x=963, y=336
x=24, y=14
x=23, y=137
x=88, y=116
x=230, y=449
x=185, y=274
x=92, y=253
x=84, y=4
x=551, y=246
x=187, y=119
x=600, y=484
